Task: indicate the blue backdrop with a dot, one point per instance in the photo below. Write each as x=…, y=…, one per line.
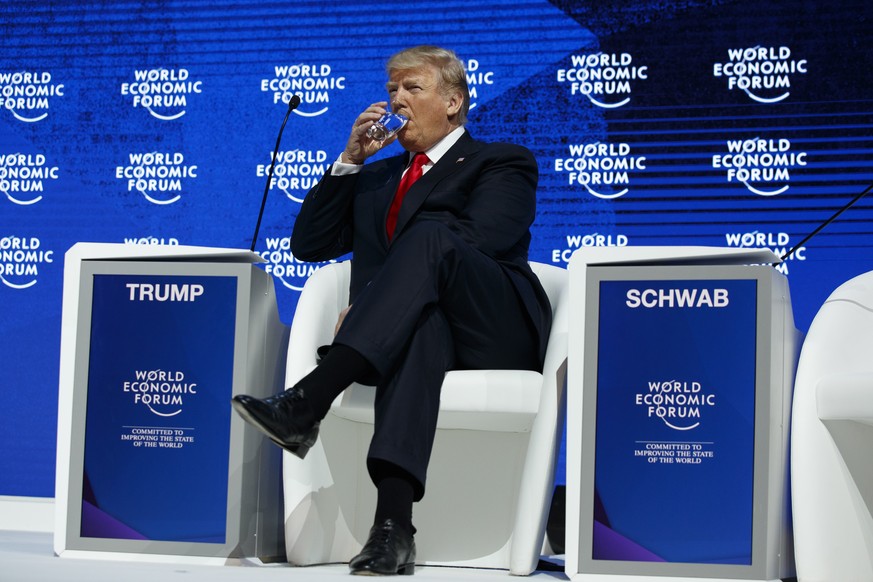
x=717, y=122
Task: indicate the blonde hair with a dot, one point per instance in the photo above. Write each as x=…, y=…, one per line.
x=452, y=76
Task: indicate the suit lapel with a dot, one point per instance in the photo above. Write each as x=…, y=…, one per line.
x=451, y=162
x=387, y=178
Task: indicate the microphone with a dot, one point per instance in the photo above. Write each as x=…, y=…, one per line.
x=292, y=105
x=827, y=222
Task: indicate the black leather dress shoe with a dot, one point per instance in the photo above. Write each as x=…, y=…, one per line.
x=285, y=418
x=389, y=550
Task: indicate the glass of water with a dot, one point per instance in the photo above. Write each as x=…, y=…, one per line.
x=388, y=125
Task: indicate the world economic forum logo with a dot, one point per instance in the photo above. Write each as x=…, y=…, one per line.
x=477, y=77
x=606, y=79
x=602, y=169
x=151, y=240
x=284, y=266
x=680, y=405
x=158, y=176
x=779, y=243
x=296, y=171
x=27, y=95
x=21, y=259
x=163, y=392
x=313, y=83
x=762, y=73
x=763, y=166
x=594, y=239
x=163, y=92
x=23, y=177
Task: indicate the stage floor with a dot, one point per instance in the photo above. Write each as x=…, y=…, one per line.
x=28, y=557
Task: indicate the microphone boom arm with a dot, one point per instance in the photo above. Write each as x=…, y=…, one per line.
x=827, y=222
x=292, y=105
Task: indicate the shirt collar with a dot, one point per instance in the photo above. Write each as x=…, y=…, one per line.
x=439, y=149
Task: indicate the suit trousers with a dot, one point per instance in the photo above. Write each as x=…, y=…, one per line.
x=437, y=304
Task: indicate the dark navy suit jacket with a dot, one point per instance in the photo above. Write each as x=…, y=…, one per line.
x=484, y=192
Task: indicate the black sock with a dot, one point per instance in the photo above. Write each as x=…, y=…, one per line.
x=394, y=501
x=395, y=493
x=340, y=367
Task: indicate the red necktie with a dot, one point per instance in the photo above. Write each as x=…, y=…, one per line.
x=412, y=174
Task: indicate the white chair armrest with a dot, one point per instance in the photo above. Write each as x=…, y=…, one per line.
x=845, y=397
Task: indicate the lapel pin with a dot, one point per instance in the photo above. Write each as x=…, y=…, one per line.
x=459, y=160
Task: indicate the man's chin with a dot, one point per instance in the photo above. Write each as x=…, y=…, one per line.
x=407, y=144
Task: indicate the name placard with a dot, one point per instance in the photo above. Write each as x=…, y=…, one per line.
x=157, y=428
x=675, y=417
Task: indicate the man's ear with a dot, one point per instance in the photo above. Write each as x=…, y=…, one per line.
x=454, y=103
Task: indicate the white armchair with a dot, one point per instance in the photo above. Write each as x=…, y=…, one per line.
x=492, y=466
x=831, y=440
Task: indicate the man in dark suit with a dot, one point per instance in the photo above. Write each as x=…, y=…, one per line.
x=440, y=281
